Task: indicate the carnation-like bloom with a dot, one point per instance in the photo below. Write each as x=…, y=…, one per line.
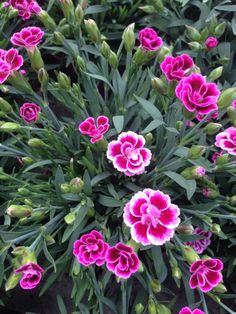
x=91, y=249
x=29, y=112
x=10, y=61
x=151, y=217
x=175, y=68
x=211, y=43
x=28, y=37
x=187, y=310
x=128, y=153
x=149, y=40
x=25, y=8
x=95, y=130
x=206, y=274
x=198, y=95
x=200, y=245
x=226, y=140
x=122, y=260
x=31, y=275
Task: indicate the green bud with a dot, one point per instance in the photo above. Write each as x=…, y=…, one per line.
x=176, y=273
x=5, y=106
x=142, y=56
x=220, y=29
x=46, y=20
x=212, y=193
x=68, y=9
x=79, y=14
x=222, y=160
x=195, y=46
x=157, y=4
x=49, y=239
x=84, y=4
x=216, y=229
x=163, y=53
x=212, y=128
x=113, y=60
x=148, y=137
x=149, y=9
x=213, y=24
x=12, y=281
x=28, y=202
x=20, y=251
x=159, y=86
x=9, y=127
x=27, y=160
x=43, y=77
x=93, y=31
x=64, y=81
x=105, y=50
x=215, y=74
x=179, y=125
x=81, y=63
x=162, y=309
x=151, y=307
x=155, y=286
x=36, y=143
x=231, y=112
x=129, y=37
x=58, y=38
x=65, y=30
x=193, y=172
x=4, y=89
x=196, y=151
x=224, y=60
x=76, y=185
x=23, y=191
x=190, y=255
x=62, y=22
x=65, y=188
x=185, y=228
x=38, y=215
x=70, y=218
x=139, y=308
x=19, y=211
x=36, y=59
x=193, y=33
x=220, y=288
x=227, y=97
x=204, y=34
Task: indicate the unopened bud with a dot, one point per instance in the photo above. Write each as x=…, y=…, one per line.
x=220, y=288
x=58, y=38
x=28, y=202
x=27, y=160
x=216, y=229
x=70, y=218
x=190, y=255
x=38, y=215
x=43, y=77
x=194, y=172
x=210, y=193
x=159, y=86
x=162, y=309
x=176, y=273
x=65, y=30
x=4, y=89
x=157, y=4
x=195, y=46
x=4, y=105
x=227, y=97
x=76, y=185
x=155, y=285
x=12, y=281
x=49, y=239
x=79, y=14
x=64, y=81
x=65, y=188
x=129, y=37
x=23, y=191
x=232, y=200
x=185, y=228
x=231, y=112
x=196, y=151
x=113, y=60
x=36, y=59
x=81, y=63
x=220, y=29
x=105, y=50
x=212, y=128
x=213, y=24
x=19, y=211
x=36, y=143
x=93, y=31
x=151, y=307
x=193, y=33
x=179, y=125
x=139, y=308
x=47, y=21
x=222, y=160
x=163, y=53
x=149, y=138
x=215, y=74
x=149, y=9
x=9, y=127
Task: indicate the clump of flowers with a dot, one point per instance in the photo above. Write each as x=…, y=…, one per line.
x=187, y=310
x=29, y=112
x=152, y=217
x=28, y=37
x=95, y=130
x=206, y=274
x=175, y=68
x=10, y=61
x=201, y=244
x=25, y=8
x=31, y=275
x=149, y=40
x=226, y=140
x=128, y=153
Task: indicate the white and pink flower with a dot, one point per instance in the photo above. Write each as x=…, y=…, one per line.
x=93, y=129
x=128, y=153
x=151, y=217
x=226, y=140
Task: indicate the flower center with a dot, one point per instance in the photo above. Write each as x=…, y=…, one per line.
x=93, y=247
x=151, y=217
x=131, y=153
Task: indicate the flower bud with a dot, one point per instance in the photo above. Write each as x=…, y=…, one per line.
x=43, y=77
x=226, y=98
x=28, y=202
x=23, y=191
x=149, y=9
x=49, y=239
x=79, y=14
x=190, y=255
x=36, y=143
x=68, y=9
x=38, y=215
x=232, y=200
x=220, y=29
x=149, y=138
x=12, y=281
x=195, y=46
x=36, y=59
x=70, y=218
x=163, y=53
x=179, y=125
x=204, y=34
x=93, y=31
x=159, y=86
x=64, y=81
x=185, y=228
x=84, y=4
x=20, y=251
x=142, y=56
x=81, y=63
x=58, y=38
x=151, y=307
x=193, y=33
x=65, y=188
x=105, y=50
x=5, y=106
x=215, y=74
x=222, y=160
x=76, y=185
x=210, y=193
x=155, y=285
x=213, y=24
x=139, y=308
x=27, y=160
x=157, y=4
x=196, y=151
x=19, y=211
x=162, y=309
x=216, y=229
x=113, y=60
x=220, y=288
x=212, y=128
x=176, y=273
x=4, y=89
x=194, y=172
x=9, y=127
x=46, y=20
x=65, y=30
x=231, y=112
x=129, y=37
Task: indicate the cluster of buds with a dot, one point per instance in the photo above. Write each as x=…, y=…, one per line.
x=109, y=55
x=75, y=186
x=194, y=172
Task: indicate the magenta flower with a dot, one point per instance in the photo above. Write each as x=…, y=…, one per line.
x=122, y=260
x=10, y=61
x=149, y=40
x=25, y=8
x=175, y=68
x=226, y=140
x=211, y=43
x=28, y=37
x=29, y=112
x=200, y=245
x=95, y=130
x=234, y=104
x=91, y=249
x=206, y=274
x=216, y=155
x=198, y=95
x=187, y=310
x=128, y=153
x=151, y=217
x=31, y=275
x=199, y=171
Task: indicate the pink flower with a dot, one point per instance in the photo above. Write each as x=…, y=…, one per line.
x=10, y=61
x=200, y=245
x=198, y=95
x=31, y=275
x=95, y=130
x=187, y=310
x=91, y=249
x=151, y=217
x=206, y=274
x=23, y=72
x=234, y=104
x=149, y=40
x=211, y=43
x=25, y=7
x=216, y=155
x=199, y=171
x=28, y=37
x=122, y=260
x=175, y=68
x=29, y=112
x=226, y=140
x=128, y=153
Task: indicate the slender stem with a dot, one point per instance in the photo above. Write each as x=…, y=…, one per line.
x=203, y=302
x=124, y=297
x=226, y=308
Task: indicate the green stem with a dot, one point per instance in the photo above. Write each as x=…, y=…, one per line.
x=203, y=302
x=124, y=297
